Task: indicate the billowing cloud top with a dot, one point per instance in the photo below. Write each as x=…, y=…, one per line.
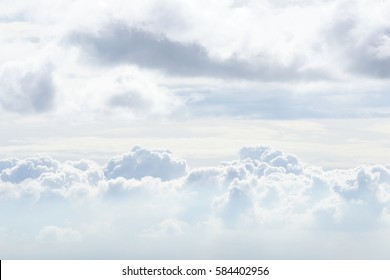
x=141, y=162
x=148, y=200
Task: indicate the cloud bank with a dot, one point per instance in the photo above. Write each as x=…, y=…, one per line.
x=150, y=204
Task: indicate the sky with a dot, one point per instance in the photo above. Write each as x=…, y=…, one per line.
x=128, y=128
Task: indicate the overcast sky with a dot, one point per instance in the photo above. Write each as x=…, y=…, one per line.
x=99, y=95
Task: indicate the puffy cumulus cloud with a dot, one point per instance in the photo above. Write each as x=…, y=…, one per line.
x=263, y=154
x=271, y=189
x=43, y=178
x=27, y=89
x=7, y=163
x=362, y=199
x=29, y=168
x=48, y=173
x=146, y=202
x=257, y=187
x=142, y=162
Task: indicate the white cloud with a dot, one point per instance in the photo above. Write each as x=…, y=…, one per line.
x=30, y=168
x=338, y=51
x=224, y=43
x=265, y=192
x=7, y=163
x=141, y=162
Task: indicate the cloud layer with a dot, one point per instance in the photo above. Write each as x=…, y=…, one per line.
x=306, y=59
x=149, y=204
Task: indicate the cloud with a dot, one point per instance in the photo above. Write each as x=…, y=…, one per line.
x=118, y=44
x=288, y=162
x=27, y=89
x=30, y=168
x=187, y=43
x=7, y=163
x=373, y=56
x=43, y=178
x=361, y=38
x=141, y=162
x=139, y=95
x=147, y=197
x=233, y=206
x=317, y=59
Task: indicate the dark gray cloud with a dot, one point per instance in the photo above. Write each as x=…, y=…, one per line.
x=119, y=44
